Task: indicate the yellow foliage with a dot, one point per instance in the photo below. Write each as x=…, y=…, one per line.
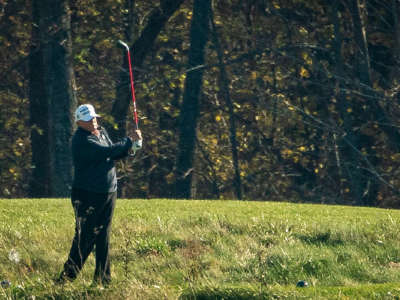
x=302, y=149
x=304, y=72
x=170, y=178
x=268, y=79
x=303, y=30
x=276, y=5
x=307, y=58
x=182, y=77
x=395, y=157
x=287, y=152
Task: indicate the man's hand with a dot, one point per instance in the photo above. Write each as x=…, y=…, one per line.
x=137, y=135
x=137, y=140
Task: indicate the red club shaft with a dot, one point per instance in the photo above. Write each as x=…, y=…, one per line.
x=133, y=91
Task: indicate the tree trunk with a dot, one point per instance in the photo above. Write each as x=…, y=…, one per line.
x=224, y=83
x=364, y=187
x=352, y=177
x=396, y=25
x=395, y=72
x=190, y=107
x=360, y=37
x=39, y=111
x=52, y=99
x=376, y=111
x=157, y=20
x=341, y=149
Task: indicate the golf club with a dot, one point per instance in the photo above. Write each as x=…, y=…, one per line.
x=132, y=86
x=137, y=144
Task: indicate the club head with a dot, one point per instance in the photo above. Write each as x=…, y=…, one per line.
x=121, y=43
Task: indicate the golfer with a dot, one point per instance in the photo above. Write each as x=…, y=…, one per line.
x=94, y=192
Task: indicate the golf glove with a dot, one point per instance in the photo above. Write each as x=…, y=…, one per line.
x=137, y=145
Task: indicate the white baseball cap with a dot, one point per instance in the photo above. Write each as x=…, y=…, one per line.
x=85, y=112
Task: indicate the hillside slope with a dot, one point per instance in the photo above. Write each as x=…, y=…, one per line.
x=207, y=250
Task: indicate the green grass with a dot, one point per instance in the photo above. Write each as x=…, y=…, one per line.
x=175, y=249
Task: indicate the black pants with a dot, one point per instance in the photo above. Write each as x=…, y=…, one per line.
x=93, y=215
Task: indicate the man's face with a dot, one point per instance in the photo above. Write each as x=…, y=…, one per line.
x=90, y=125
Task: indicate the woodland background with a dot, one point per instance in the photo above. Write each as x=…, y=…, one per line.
x=284, y=100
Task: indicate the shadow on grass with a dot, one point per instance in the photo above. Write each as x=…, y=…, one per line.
x=226, y=294
x=61, y=293
x=320, y=238
x=377, y=292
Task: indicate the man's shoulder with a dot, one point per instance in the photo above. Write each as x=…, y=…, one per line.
x=80, y=135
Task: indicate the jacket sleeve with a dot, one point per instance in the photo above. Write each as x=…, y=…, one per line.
x=122, y=154
x=93, y=150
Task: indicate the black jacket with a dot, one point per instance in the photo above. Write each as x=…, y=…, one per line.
x=94, y=158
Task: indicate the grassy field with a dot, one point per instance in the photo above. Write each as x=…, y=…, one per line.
x=173, y=249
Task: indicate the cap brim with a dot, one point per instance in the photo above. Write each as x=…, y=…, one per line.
x=89, y=117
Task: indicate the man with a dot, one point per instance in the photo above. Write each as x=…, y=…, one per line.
x=94, y=192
